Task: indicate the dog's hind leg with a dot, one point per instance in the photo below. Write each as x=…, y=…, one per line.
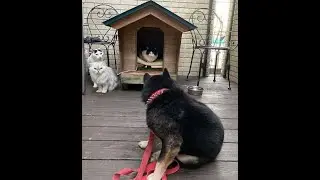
x=170, y=149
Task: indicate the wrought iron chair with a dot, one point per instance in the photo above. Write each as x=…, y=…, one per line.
x=213, y=35
x=99, y=34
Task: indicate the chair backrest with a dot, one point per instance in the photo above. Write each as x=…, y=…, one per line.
x=213, y=35
x=94, y=19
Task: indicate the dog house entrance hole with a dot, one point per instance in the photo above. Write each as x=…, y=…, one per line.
x=150, y=42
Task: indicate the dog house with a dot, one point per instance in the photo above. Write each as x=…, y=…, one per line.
x=148, y=30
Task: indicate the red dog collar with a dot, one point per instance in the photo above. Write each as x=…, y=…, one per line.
x=156, y=94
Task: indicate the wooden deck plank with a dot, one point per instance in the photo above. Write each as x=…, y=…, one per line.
x=209, y=88
x=100, y=99
x=104, y=169
x=142, y=109
x=120, y=150
x=223, y=111
x=105, y=101
x=132, y=134
x=126, y=121
x=136, y=94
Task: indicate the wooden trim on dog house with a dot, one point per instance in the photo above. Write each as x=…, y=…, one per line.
x=146, y=9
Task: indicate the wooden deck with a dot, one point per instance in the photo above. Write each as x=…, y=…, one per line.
x=114, y=123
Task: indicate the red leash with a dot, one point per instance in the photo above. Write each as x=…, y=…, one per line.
x=145, y=169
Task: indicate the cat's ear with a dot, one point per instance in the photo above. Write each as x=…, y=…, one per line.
x=146, y=77
x=166, y=73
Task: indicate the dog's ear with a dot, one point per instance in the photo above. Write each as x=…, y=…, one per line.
x=165, y=73
x=146, y=77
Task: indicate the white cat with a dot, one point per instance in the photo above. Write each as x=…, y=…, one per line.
x=95, y=56
x=103, y=77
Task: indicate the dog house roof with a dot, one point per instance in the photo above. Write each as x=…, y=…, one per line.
x=146, y=9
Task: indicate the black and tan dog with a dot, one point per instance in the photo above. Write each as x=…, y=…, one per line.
x=189, y=130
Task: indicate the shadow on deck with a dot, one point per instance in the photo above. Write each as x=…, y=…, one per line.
x=114, y=123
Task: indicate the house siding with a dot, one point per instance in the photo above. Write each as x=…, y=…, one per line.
x=182, y=8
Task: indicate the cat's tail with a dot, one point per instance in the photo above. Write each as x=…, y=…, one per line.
x=114, y=84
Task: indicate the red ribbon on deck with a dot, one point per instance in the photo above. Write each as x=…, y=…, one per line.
x=145, y=169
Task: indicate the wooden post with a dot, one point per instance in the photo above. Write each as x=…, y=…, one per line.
x=224, y=72
x=208, y=40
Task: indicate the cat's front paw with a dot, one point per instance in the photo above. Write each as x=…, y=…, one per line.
x=99, y=90
x=95, y=85
x=103, y=91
